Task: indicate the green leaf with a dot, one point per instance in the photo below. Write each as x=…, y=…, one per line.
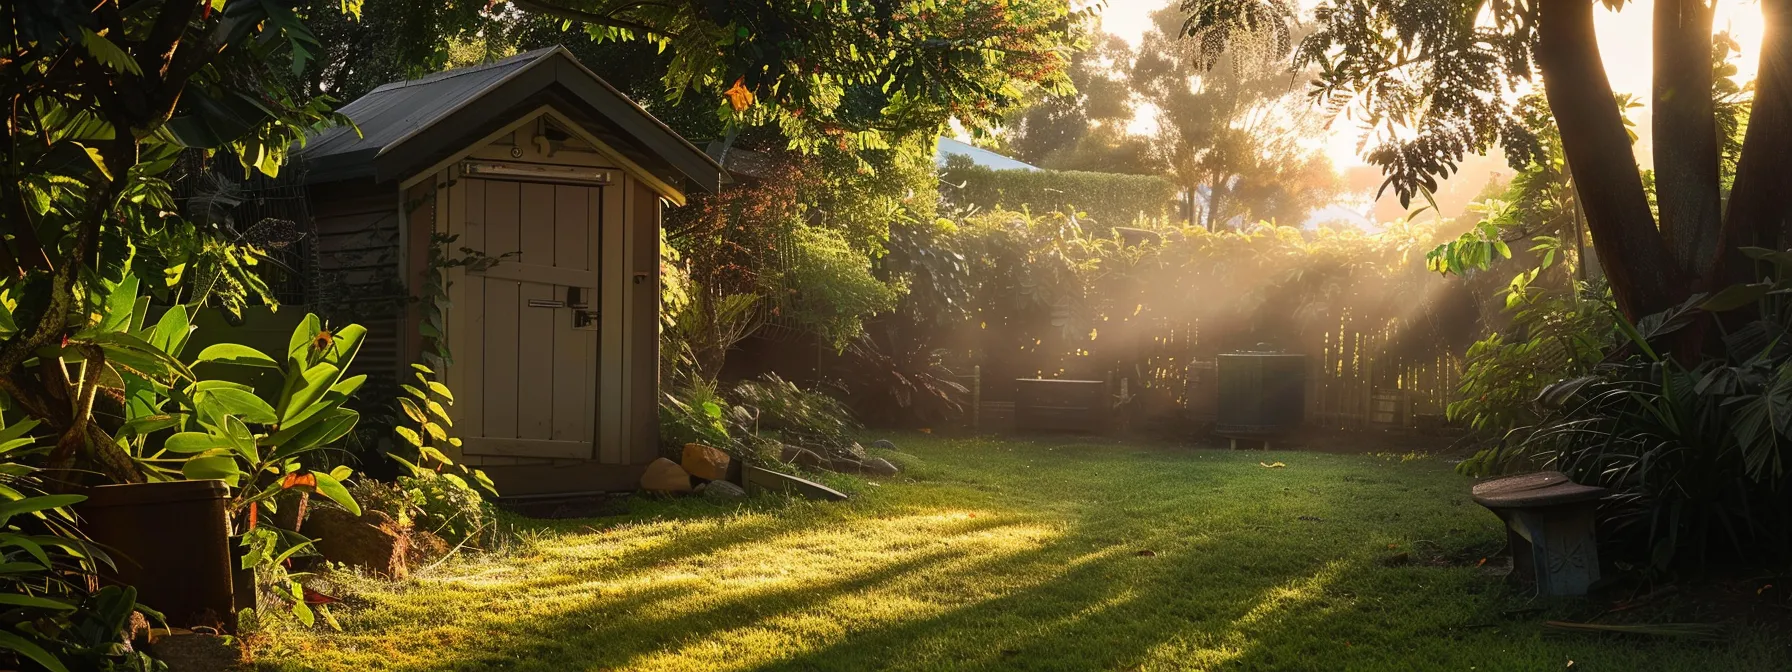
x=325, y=430
x=172, y=330
x=299, y=345
x=328, y=486
x=104, y=51
x=242, y=404
x=435, y=431
x=409, y=435
x=37, y=504
x=441, y=413
x=441, y=390
x=1736, y=296
x=194, y=442
x=341, y=472
x=35, y=601
x=411, y=410
x=231, y=353
x=315, y=382
x=26, y=648
x=220, y=467
x=120, y=305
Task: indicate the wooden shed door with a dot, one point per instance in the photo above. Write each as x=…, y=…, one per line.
x=533, y=328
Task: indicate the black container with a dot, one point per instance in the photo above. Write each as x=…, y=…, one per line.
x=171, y=541
x=1261, y=393
x=1049, y=405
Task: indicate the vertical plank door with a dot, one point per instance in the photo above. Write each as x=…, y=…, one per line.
x=532, y=320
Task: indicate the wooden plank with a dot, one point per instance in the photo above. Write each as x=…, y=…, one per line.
x=547, y=275
x=614, y=290
x=594, y=201
x=501, y=212
x=536, y=224
x=535, y=363
x=471, y=358
x=528, y=448
x=501, y=317
x=572, y=228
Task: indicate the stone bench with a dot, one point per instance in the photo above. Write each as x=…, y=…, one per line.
x=1549, y=527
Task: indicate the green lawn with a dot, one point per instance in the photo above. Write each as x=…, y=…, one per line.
x=1011, y=555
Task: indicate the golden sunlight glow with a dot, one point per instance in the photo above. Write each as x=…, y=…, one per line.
x=1624, y=42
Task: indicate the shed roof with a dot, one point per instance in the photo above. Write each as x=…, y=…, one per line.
x=405, y=127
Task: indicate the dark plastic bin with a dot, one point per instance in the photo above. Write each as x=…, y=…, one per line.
x=171, y=541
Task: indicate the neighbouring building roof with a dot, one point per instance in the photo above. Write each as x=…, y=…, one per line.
x=978, y=156
x=405, y=127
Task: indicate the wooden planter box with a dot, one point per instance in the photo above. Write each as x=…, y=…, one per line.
x=1044, y=405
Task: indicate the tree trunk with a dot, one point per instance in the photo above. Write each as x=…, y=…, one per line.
x=1761, y=199
x=1644, y=277
x=1686, y=156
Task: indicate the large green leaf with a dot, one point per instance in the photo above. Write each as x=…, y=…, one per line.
x=172, y=330
x=35, y=601
x=242, y=404
x=309, y=389
x=26, y=648
x=36, y=504
x=194, y=442
x=303, y=335
x=344, y=344
x=232, y=353
x=120, y=305
x=328, y=486
x=334, y=425
x=220, y=467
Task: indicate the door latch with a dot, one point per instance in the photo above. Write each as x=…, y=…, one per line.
x=585, y=319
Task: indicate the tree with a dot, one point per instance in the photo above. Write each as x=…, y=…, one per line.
x=1232, y=126
x=1434, y=78
x=1087, y=129
x=101, y=100
x=858, y=74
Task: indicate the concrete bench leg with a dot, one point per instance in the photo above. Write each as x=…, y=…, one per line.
x=1556, y=547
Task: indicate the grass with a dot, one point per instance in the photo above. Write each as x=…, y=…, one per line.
x=994, y=554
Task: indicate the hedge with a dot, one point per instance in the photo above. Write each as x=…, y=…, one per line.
x=1110, y=199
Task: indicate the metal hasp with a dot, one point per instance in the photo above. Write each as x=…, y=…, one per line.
x=1549, y=527
x=1262, y=394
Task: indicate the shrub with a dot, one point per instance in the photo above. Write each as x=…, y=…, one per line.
x=794, y=415
x=1110, y=199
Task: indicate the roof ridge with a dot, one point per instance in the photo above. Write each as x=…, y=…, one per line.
x=531, y=55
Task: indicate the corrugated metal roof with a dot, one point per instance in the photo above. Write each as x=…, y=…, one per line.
x=391, y=112
x=450, y=105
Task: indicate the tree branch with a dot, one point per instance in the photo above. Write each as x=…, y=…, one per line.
x=581, y=16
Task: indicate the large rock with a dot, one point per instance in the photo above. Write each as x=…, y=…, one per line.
x=705, y=462
x=666, y=476
x=881, y=467
x=372, y=541
x=883, y=444
x=723, y=490
x=846, y=465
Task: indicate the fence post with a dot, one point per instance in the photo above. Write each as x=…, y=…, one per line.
x=977, y=398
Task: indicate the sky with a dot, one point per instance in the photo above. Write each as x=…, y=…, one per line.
x=1624, y=44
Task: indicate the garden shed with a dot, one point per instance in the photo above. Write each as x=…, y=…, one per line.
x=534, y=159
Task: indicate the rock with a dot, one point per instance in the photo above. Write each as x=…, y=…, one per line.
x=664, y=475
x=883, y=444
x=372, y=541
x=723, y=490
x=857, y=451
x=424, y=547
x=846, y=466
x=803, y=457
x=881, y=467
x=705, y=462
